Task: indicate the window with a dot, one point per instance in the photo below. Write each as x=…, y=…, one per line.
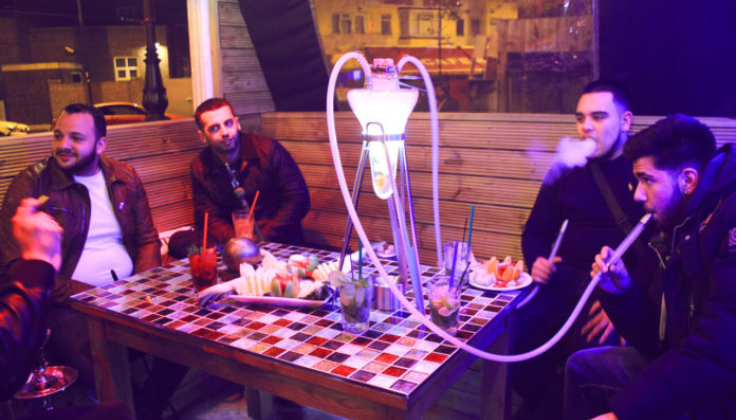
x=460, y=27
x=125, y=68
x=475, y=30
x=335, y=24
x=386, y=24
x=426, y=24
x=345, y=24
x=76, y=77
x=360, y=25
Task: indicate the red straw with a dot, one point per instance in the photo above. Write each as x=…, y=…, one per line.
x=254, y=200
x=206, y=228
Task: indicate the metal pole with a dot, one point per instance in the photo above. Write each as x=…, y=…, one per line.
x=83, y=53
x=154, y=98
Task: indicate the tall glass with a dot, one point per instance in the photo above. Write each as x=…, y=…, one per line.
x=243, y=227
x=461, y=251
x=444, y=300
x=355, y=304
x=203, y=269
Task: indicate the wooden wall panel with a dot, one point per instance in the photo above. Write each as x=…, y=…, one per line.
x=161, y=153
x=493, y=161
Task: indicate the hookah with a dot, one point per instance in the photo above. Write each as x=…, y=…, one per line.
x=409, y=249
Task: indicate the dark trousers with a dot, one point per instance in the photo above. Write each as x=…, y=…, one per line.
x=540, y=380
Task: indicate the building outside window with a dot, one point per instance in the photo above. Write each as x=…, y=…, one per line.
x=386, y=24
x=125, y=68
x=360, y=25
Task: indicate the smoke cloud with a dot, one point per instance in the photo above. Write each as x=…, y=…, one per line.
x=570, y=153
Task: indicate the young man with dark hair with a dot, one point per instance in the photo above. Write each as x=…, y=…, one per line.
x=228, y=174
x=102, y=206
x=681, y=358
x=603, y=120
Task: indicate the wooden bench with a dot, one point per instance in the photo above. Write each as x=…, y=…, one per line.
x=161, y=153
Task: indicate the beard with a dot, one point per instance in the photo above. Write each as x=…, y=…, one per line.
x=82, y=163
x=671, y=213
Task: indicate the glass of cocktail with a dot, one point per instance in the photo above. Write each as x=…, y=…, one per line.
x=203, y=268
x=444, y=300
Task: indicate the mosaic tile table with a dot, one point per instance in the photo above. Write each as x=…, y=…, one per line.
x=394, y=370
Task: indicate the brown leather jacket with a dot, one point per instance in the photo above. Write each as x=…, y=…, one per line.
x=69, y=204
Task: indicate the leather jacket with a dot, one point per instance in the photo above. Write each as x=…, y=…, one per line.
x=265, y=166
x=69, y=204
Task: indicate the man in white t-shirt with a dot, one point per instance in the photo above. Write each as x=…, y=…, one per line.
x=102, y=206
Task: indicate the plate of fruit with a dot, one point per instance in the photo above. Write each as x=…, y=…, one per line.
x=300, y=281
x=499, y=276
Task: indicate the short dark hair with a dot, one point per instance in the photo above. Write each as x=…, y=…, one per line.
x=98, y=118
x=210, y=105
x=619, y=91
x=674, y=143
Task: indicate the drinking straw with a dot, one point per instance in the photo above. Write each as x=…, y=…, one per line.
x=453, y=265
x=254, y=200
x=471, y=227
x=206, y=228
x=360, y=259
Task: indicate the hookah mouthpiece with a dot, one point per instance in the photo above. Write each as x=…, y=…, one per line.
x=239, y=192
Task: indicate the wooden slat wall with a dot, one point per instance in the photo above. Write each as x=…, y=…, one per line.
x=494, y=161
x=161, y=153
x=241, y=77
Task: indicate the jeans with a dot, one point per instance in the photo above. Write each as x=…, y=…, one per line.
x=594, y=375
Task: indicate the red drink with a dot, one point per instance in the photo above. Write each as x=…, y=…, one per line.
x=203, y=269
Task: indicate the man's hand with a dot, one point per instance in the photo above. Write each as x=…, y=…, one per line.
x=38, y=235
x=599, y=324
x=606, y=416
x=543, y=269
x=615, y=279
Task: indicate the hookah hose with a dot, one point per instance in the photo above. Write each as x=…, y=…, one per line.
x=552, y=255
x=633, y=235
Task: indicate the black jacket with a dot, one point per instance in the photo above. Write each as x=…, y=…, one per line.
x=695, y=373
x=575, y=195
x=265, y=166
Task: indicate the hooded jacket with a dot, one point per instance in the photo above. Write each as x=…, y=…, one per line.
x=693, y=370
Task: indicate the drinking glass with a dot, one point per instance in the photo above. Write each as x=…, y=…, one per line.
x=461, y=249
x=444, y=300
x=355, y=305
x=243, y=227
x=203, y=269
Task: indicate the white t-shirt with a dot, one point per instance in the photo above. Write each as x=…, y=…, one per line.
x=104, y=247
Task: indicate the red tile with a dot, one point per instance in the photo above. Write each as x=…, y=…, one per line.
x=387, y=358
x=343, y=370
x=436, y=358
x=271, y=339
x=395, y=371
x=320, y=353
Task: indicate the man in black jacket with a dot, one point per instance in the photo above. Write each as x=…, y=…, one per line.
x=682, y=356
x=571, y=191
x=231, y=171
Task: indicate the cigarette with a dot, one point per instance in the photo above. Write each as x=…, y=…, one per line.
x=43, y=199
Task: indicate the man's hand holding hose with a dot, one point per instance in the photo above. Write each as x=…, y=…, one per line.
x=614, y=279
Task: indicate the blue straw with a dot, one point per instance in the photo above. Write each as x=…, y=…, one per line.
x=453, y=264
x=471, y=226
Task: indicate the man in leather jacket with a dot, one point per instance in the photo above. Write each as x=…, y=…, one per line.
x=681, y=358
x=229, y=173
x=102, y=206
